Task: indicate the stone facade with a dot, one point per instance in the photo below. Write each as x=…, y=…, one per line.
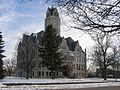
x=74, y=56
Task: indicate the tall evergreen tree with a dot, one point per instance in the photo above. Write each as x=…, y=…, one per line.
x=1, y=56
x=50, y=52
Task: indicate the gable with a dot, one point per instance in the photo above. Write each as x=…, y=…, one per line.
x=78, y=48
x=71, y=43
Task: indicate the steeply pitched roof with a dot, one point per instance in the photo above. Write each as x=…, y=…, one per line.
x=40, y=37
x=71, y=43
x=25, y=37
x=74, y=45
x=33, y=37
x=40, y=34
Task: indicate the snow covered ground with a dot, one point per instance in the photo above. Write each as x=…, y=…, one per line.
x=83, y=83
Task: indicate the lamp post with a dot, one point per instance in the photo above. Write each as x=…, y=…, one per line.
x=116, y=70
x=116, y=73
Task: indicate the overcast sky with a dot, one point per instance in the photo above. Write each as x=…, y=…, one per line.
x=18, y=17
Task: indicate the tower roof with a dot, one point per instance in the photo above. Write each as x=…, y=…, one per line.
x=52, y=12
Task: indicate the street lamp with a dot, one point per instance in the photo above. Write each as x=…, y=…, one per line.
x=116, y=70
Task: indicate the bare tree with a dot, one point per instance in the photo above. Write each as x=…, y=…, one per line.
x=10, y=66
x=104, y=53
x=92, y=15
x=116, y=67
x=26, y=55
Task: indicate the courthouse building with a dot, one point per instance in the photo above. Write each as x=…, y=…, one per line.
x=74, y=56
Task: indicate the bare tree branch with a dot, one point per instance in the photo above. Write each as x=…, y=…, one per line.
x=103, y=15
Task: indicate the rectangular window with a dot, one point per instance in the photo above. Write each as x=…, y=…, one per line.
x=74, y=67
x=79, y=66
x=53, y=73
x=46, y=73
x=42, y=66
x=39, y=73
x=57, y=74
x=18, y=73
x=82, y=67
x=39, y=65
x=42, y=73
x=49, y=73
x=33, y=73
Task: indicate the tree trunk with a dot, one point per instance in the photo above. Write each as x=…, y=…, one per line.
x=27, y=75
x=105, y=67
x=52, y=74
x=105, y=73
x=9, y=73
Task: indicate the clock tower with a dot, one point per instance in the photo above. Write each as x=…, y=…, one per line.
x=52, y=18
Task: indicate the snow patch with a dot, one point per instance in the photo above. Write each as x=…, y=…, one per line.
x=100, y=83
